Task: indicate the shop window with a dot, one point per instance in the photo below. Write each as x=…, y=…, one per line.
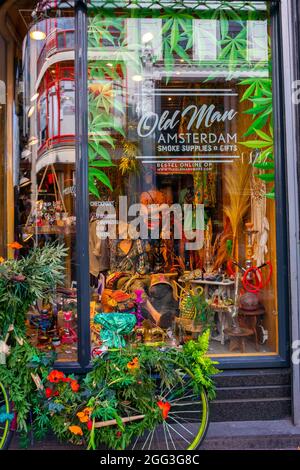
x=182, y=200
x=182, y=205
x=45, y=204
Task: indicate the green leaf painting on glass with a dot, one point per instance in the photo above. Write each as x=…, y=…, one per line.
x=177, y=37
x=105, y=102
x=108, y=32
x=259, y=93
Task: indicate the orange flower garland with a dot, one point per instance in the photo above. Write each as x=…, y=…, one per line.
x=134, y=364
x=84, y=416
x=76, y=430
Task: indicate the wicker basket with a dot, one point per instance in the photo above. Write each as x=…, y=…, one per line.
x=189, y=325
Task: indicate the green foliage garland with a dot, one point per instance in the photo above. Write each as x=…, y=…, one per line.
x=121, y=383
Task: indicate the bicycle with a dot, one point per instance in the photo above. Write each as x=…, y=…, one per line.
x=185, y=416
x=180, y=412
x=6, y=431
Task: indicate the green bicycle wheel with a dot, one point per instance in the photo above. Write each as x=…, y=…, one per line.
x=5, y=433
x=186, y=423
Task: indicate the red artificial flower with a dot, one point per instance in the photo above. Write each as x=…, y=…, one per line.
x=118, y=434
x=50, y=393
x=89, y=425
x=165, y=408
x=75, y=386
x=67, y=380
x=55, y=376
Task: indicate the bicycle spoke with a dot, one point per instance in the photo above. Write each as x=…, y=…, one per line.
x=169, y=391
x=184, y=398
x=182, y=437
x=149, y=448
x=164, y=428
x=146, y=441
x=180, y=424
x=182, y=427
x=136, y=441
x=187, y=420
x=170, y=435
x=184, y=411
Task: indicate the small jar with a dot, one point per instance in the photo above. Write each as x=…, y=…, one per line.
x=56, y=341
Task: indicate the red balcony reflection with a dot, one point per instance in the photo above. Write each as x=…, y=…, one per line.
x=57, y=41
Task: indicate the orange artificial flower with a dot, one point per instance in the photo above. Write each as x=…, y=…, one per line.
x=75, y=386
x=1, y=260
x=76, y=430
x=56, y=376
x=15, y=246
x=84, y=416
x=165, y=408
x=134, y=364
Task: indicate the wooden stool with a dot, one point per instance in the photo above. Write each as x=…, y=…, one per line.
x=249, y=319
x=237, y=338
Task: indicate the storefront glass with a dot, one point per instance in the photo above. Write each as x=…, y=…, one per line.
x=45, y=209
x=182, y=205
x=181, y=174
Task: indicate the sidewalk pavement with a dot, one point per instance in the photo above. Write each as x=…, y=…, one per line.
x=238, y=435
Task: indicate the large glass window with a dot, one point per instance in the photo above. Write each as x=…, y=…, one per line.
x=45, y=209
x=182, y=202
x=181, y=176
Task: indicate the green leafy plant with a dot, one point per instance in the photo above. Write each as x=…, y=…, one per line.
x=16, y=376
x=204, y=313
x=24, y=281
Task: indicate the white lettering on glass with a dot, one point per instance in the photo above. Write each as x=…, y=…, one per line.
x=207, y=115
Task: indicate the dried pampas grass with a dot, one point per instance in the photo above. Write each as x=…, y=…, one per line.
x=220, y=248
x=236, y=181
